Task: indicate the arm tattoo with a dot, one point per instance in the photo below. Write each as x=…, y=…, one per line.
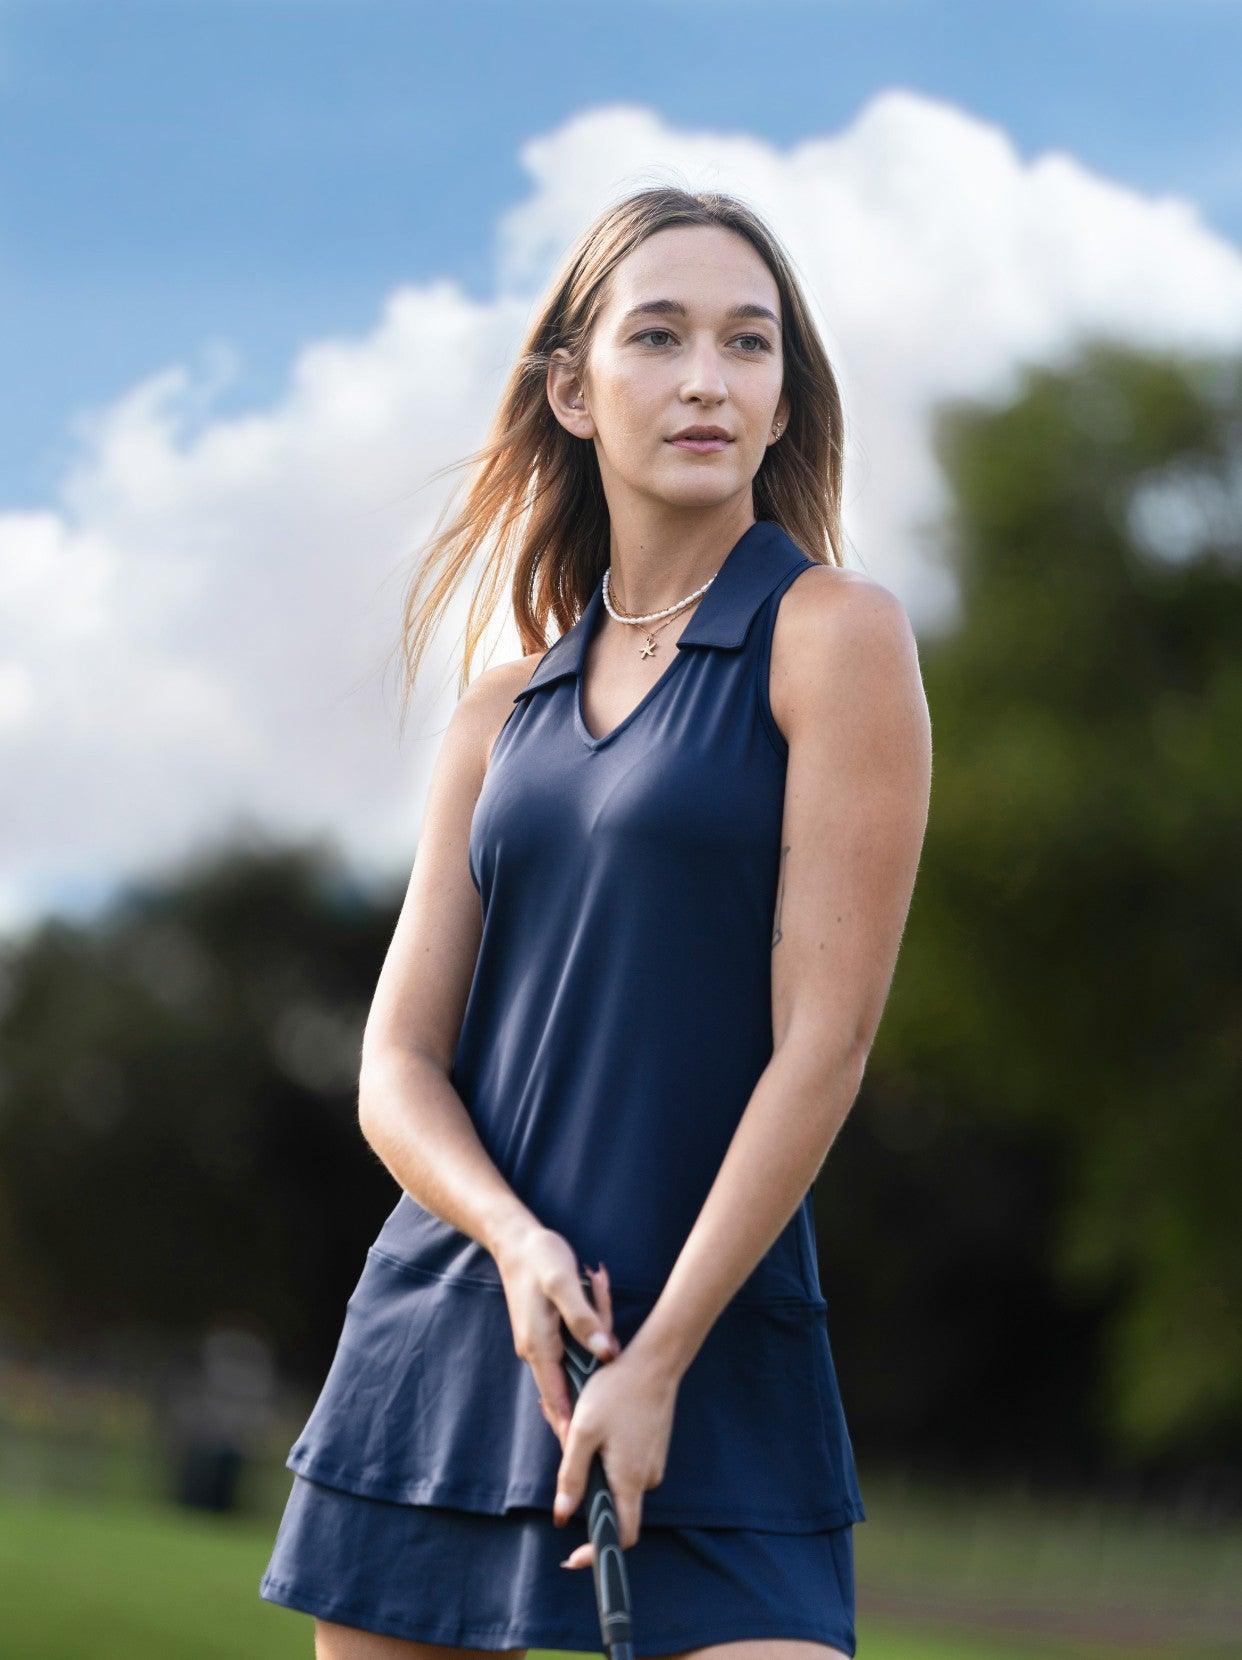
x=780, y=899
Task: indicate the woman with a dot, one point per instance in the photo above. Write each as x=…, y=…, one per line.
x=652, y=922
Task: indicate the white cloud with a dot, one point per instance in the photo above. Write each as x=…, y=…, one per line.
x=197, y=628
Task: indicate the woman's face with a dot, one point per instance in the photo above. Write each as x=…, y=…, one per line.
x=690, y=336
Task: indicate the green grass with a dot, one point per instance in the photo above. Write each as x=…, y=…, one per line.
x=125, y=1580
x=129, y=1579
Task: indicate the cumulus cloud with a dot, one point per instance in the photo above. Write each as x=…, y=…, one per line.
x=195, y=628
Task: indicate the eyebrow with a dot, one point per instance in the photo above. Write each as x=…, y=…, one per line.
x=674, y=308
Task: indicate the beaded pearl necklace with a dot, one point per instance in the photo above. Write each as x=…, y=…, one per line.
x=647, y=649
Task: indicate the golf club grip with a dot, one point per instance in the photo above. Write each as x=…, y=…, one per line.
x=612, y=1590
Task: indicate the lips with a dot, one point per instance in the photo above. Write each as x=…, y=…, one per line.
x=701, y=440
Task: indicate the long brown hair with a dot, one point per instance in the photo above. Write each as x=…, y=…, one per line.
x=537, y=494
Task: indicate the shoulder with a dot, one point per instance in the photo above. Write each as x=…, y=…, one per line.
x=484, y=706
x=842, y=642
x=496, y=687
x=826, y=602
x=466, y=743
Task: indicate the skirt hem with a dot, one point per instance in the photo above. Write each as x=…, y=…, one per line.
x=530, y=1636
x=441, y=1494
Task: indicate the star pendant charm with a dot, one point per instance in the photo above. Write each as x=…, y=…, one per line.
x=647, y=649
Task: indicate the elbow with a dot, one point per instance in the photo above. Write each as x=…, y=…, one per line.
x=374, y=1084
x=366, y=1109
x=835, y=1057
x=390, y=1077
x=847, y=1061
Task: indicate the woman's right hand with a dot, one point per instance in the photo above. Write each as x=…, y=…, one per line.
x=539, y=1271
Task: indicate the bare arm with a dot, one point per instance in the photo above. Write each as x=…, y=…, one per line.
x=408, y=1110
x=847, y=694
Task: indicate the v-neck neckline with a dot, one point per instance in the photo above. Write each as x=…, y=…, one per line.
x=721, y=619
x=589, y=629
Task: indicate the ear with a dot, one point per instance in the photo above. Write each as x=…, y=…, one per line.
x=566, y=395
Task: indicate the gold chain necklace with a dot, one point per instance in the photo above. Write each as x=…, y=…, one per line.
x=647, y=649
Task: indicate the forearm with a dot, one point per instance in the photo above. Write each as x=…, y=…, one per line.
x=418, y=1125
x=782, y=1139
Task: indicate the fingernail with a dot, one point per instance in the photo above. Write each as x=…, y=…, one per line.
x=561, y=1505
x=565, y=1564
x=600, y=1343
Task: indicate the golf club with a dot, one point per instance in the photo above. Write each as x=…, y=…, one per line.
x=612, y=1589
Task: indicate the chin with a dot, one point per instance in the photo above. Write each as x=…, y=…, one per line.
x=701, y=493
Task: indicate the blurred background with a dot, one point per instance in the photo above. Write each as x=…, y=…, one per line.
x=264, y=267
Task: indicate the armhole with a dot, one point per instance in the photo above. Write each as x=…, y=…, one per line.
x=763, y=665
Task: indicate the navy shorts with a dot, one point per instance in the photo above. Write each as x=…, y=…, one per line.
x=478, y=1580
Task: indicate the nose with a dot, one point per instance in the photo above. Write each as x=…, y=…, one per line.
x=705, y=379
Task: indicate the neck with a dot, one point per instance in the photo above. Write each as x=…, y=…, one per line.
x=660, y=555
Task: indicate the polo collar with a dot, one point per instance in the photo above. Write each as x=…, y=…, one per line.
x=757, y=561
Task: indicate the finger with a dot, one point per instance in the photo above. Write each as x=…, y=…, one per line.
x=553, y=1388
x=629, y=1525
x=602, y=1295
x=603, y=1301
x=581, y=1557
x=558, y=1429
x=571, y=1477
x=587, y=1326
x=629, y=1508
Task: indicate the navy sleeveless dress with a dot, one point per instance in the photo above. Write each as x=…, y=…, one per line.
x=617, y=1022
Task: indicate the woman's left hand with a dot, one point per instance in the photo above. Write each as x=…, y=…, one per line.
x=625, y=1411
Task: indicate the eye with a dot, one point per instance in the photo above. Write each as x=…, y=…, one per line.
x=763, y=345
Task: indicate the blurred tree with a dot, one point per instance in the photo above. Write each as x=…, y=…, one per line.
x=179, y=1144
x=1072, y=969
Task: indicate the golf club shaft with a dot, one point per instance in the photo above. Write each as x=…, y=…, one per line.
x=612, y=1591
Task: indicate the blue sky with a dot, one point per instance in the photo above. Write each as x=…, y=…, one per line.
x=261, y=172
x=264, y=265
